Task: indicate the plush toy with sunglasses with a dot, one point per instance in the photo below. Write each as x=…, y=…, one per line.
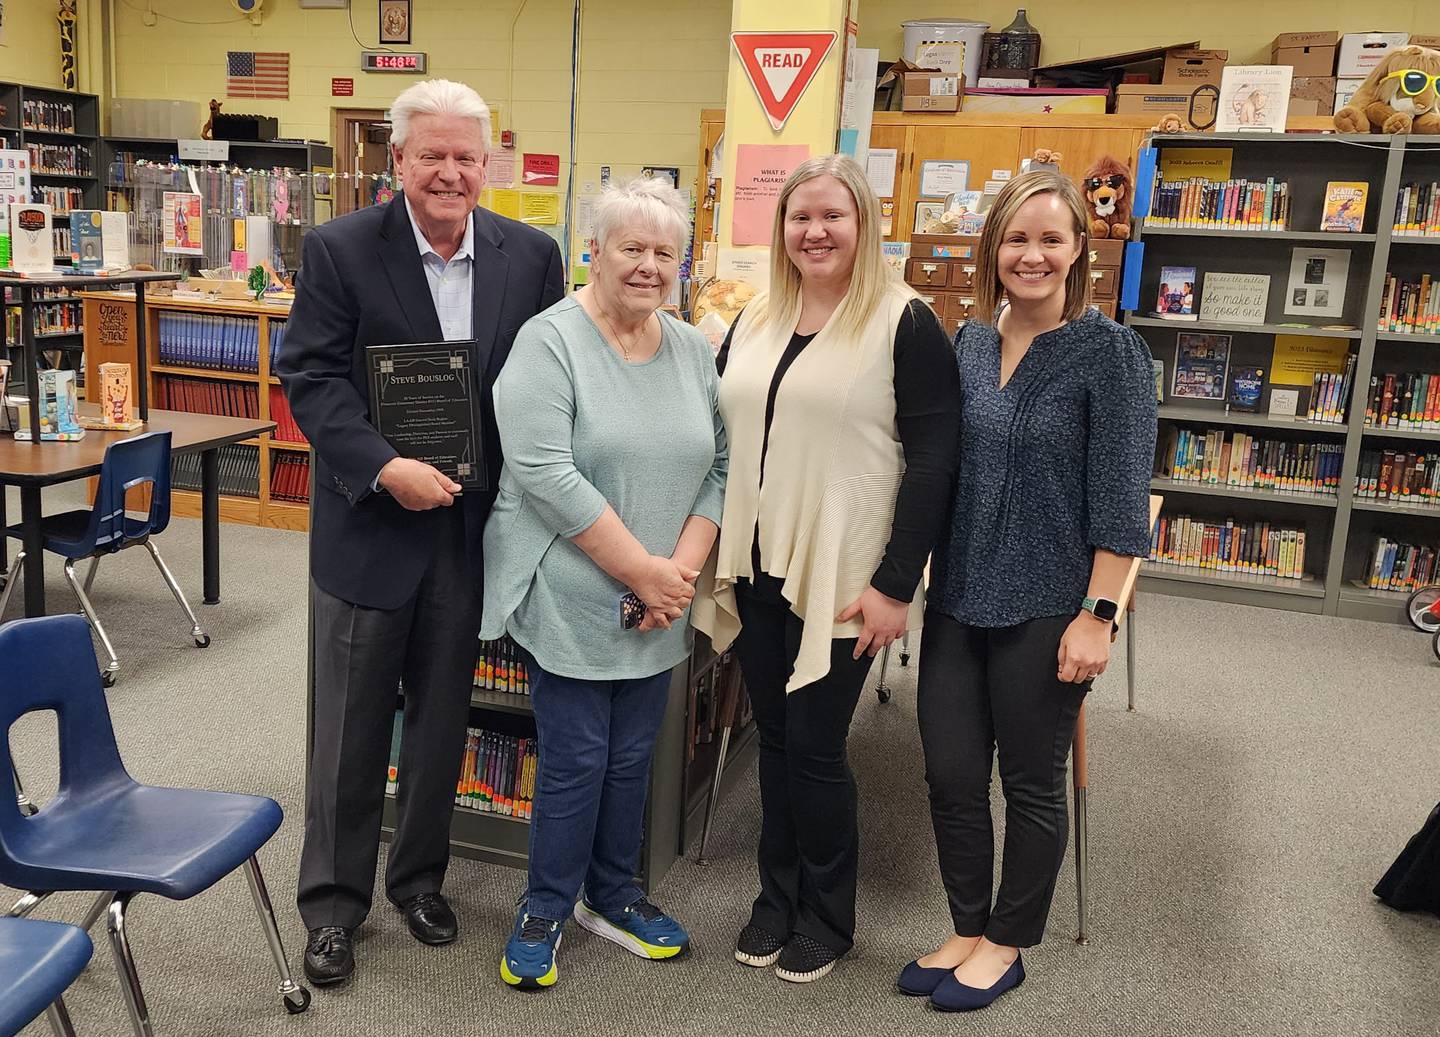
x=1109, y=195
x=1399, y=96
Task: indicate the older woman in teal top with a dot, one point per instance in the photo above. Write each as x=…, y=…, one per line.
x=610, y=500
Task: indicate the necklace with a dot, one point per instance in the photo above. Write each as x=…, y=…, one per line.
x=624, y=349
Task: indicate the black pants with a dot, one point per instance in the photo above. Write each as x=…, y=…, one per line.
x=809, y=839
x=361, y=655
x=981, y=690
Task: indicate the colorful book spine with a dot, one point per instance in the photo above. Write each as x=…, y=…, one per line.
x=1235, y=204
x=1398, y=566
x=1232, y=546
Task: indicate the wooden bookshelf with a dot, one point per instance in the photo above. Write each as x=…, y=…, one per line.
x=110, y=337
x=1340, y=529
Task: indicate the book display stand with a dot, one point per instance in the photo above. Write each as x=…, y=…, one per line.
x=1317, y=496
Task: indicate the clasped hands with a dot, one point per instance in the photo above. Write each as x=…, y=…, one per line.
x=667, y=588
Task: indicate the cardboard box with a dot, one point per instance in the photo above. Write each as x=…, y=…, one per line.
x=1036, y=101
x=1320, y=89
x=1143, y=99
x=931, y=84
x=1421, y=40
x=1344, y=90
x=1303, y=106
x=928, y=103
x=1190, y=67
x=1308, y=53
x=1362, y=51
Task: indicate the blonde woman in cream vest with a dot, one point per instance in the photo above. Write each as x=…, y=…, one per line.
x=841, y=401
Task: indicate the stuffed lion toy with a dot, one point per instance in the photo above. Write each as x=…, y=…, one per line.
x=1109, y=195
x=1399, y=96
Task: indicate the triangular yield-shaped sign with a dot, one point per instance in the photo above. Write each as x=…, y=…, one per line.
x=780, y=66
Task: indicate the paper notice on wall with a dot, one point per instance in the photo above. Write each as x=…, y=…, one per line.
x=506, y=203
x=501, y=170
x=540, y=171
x=941, y=179
x=541, y=208
x=585, y=218
x=880, y=171
x=751, y=265
x=184, y=223
x=760, y=172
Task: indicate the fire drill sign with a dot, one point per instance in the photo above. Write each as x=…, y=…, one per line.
x=780, y=66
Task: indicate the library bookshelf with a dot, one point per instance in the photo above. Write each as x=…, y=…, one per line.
x=210, y=378
x=1344, y=526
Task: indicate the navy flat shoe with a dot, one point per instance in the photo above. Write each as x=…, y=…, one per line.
x=953, y=996
x=918, y=981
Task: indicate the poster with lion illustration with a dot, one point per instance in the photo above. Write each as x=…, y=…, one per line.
x=1254, y=98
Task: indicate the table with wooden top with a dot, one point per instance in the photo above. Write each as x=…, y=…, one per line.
x=32, y=466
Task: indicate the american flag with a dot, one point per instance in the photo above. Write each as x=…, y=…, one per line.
x=257, y=74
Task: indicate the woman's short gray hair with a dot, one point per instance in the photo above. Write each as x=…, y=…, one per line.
x=437, y=97
x=648, y=201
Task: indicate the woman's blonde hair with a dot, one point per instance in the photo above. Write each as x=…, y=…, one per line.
x=1016, y=193
x=871, y=279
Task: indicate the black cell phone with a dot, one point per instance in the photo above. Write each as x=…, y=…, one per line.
x=632, y=611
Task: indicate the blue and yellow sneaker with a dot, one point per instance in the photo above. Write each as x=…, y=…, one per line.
x=529, y=958
x=642, y=929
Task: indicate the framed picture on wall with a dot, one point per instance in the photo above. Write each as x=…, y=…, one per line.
x=394, y=21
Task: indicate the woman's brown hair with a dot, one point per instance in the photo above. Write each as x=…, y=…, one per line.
x=988, y=290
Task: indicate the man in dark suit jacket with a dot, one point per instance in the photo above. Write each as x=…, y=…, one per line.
x=395, y=546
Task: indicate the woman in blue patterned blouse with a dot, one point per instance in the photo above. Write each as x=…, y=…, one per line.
x=1056, y=444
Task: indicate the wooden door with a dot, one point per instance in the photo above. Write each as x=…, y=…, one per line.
x=707, y=191
x=356, y=155
x=1079, y=147
x=986, y=148
x=894, y=138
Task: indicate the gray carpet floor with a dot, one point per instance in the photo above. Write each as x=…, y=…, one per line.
x=1276, y=765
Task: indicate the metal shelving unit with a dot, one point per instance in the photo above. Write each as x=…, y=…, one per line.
x=1340, y=529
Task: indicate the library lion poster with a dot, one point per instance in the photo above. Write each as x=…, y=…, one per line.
x=184, y=225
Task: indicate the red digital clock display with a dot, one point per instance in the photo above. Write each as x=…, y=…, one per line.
x=388, y=61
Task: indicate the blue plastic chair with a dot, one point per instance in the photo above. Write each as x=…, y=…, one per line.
x=105, y=529
x=103, y=831
x=38, y=960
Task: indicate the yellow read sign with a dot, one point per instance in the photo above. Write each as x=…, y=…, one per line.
x=1298, y=358
x=1183, y=163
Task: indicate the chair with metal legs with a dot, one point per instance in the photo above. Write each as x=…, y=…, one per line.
x=882, y=690
x=38, y=961
x=1079, y=766
x=729, y=709
x=105, y=529
x=103, y=832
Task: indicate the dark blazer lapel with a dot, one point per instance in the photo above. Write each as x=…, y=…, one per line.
x=401, y=260
x=490, y=269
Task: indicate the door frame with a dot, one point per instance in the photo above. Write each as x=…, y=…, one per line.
x=347, y=160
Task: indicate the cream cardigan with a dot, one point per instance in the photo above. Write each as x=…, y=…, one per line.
x=832, y=473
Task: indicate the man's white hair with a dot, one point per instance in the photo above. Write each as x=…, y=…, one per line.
x=648, y=201
x=437, y=97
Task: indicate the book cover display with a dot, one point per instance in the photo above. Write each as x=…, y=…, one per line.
x=1254, y=99
x=30, y=243
x=1175, y=299
x=1201, y=362
x=117, y=402
x=1344, y=210
x=1247, y=384
x=56, y=400
x=14, y=188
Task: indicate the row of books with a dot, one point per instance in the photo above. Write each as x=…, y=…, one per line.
x=207, y=396
x=277, y=339
x=1236, y=204
x=61, y=200
x=1400, y=567
x=1398, y=475
x=1258, y=548
x=1227, y=458
x=206, y=340
x=239, y=469
x=290, y=476
x=1417, y=210
x=500, y=667
x=1330, y=394
x=1406, y=400
x=55, y=116
x=64, y=159
x=287, y=429
x=497, y=772
x=60, y=238
x=1411, y=307
x=50, y=319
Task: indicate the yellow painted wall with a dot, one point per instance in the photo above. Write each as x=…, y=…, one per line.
x=30, y=44
x=1069, y=29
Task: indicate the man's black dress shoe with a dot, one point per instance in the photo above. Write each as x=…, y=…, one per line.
x=329, y=955
x=430, y=918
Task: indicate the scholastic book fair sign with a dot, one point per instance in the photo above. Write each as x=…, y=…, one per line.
x=780, y=65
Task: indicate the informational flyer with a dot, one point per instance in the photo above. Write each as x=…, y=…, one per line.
x=501, y=170
x=760, y=172
x=184, y=223
x=540, y=207
x=1299, y=358
x=1317, y=281
x=540, y=171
